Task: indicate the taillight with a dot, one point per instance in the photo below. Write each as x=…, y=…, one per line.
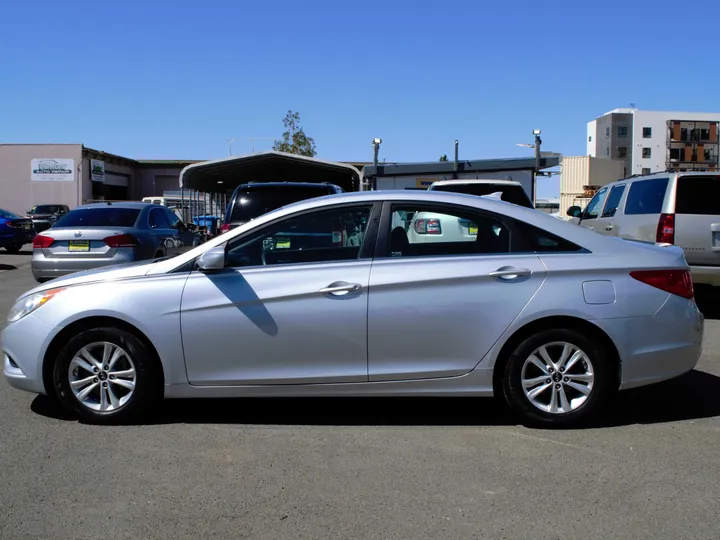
x=11, y=224
x=427, y=226
x=121, y=241
x=677, y=282
x=666, y=229
x=225, y=227
x=41, y=242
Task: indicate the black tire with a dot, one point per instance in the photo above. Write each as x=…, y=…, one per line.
x=13, y=248
x=531, y=415
x=148, y=379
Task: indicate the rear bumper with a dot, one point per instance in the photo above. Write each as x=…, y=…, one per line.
x=657, y=348
x=51, y=267
x=706, y=275
x=17, y=238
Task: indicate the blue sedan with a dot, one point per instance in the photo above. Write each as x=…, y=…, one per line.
x=15, y=231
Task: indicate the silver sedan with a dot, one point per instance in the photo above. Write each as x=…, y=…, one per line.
x=333, y=297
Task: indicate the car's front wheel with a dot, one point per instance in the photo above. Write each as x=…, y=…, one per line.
x=106, y=375
x=556, y=377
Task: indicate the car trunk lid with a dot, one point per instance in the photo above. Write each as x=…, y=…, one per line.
x=95, y=243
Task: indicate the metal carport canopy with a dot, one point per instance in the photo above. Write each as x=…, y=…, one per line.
x=224, y=175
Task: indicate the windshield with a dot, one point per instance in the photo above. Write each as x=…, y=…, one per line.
x=510, y=193
x=258, y=200
x=8, y=215
x=99, y=217
x=44, y=209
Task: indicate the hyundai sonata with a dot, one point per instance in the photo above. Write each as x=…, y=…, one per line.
x=346, y=295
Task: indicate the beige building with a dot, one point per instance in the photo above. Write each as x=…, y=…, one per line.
x=581, y=176
x=73, y=174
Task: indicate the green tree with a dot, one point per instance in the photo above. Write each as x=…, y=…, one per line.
x=443, y=157
x=294, y=140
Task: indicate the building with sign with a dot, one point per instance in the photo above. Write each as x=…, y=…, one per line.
x=73, y=174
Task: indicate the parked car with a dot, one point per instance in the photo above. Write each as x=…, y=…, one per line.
x=547, y=315
x=679, y=208
x=15, y=231
x=250, y=201
x=44, y=216
x=104, y=234
x=508, y=190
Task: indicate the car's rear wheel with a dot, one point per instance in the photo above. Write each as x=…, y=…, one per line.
x=107, y=375
x=13, y=248
x=557, y=377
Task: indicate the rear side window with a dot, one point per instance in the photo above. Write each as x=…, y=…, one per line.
x=99, y=217
x=538, y=240
x=698, y=195
x=258, y=200
x=613, y=200
x=158, y=219
x=511, y=194
x=646, y=196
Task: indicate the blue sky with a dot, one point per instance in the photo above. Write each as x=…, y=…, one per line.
x=176, y=80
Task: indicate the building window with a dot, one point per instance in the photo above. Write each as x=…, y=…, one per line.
x=647, y=152
x=647, y=133
x=646, y=170
x=622, y=151
x=622, y=131
x=675, y=153
x=607, y=151
x=590, y=138
x=607, y=132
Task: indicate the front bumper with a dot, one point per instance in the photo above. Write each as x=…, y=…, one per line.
x=22, y=349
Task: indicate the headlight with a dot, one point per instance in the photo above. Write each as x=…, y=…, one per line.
x=28, y=304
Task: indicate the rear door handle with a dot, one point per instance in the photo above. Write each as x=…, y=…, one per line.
x=510, y=272
x=340, y=288
x=609, y=228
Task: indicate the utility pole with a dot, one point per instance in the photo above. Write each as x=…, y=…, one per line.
x=376, y=148
x=230, y=143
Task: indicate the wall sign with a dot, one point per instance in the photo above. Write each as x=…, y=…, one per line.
x=52, y=170
x=97, y=170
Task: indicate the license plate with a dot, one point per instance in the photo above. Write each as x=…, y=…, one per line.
x=79, y=245
x=26, y=226
x=472, y=229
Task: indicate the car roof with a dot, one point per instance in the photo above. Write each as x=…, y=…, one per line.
x=476, y=181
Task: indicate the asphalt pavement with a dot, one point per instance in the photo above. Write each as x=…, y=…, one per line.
x=372, y=468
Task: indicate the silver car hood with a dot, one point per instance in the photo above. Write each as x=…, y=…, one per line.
x=105, y=273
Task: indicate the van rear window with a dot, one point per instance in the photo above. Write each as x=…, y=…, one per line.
x=99, y=217
x=646, y=196
x=258, y=200
x=698, y=195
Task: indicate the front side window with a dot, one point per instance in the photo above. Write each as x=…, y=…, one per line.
x=646, y=196
x=593, y=209
x=613, y=201
x=421, y=231
x=172, y=218
x=322, y=236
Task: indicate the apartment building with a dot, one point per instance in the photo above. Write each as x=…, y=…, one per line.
x=651, y=141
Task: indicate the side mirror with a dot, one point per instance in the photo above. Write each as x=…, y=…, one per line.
x=213, y=259
x=574, y=211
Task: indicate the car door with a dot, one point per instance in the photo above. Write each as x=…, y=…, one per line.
x=184, y=238
x=590, y=218
x=291, y=305
x=436, y=308
x=162, y=235
x=606, y=223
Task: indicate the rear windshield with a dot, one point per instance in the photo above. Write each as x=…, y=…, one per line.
x=698, y=195
x=99, y=217
x=511, y=194
x=8, y=215
x=256, y=201
x=44, y=209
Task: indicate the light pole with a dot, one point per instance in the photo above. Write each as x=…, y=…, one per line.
x=230, y=142
x=536, y=172
x=376, y=148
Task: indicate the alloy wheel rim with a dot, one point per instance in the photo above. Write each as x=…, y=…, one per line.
x=102, y=376
x=558, y=377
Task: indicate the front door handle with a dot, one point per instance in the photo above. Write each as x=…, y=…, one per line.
x=510, y=272
x=340, y=288
x=609, y=228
